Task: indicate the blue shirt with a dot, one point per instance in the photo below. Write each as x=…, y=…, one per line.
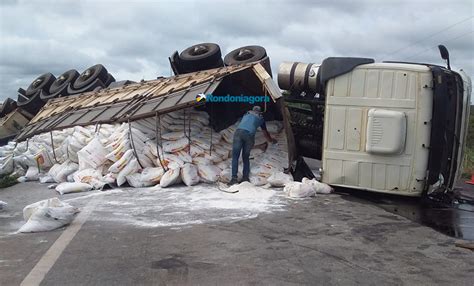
x=251, y=121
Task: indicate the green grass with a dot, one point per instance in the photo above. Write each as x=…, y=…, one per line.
x=7, y=181
x=468, y=163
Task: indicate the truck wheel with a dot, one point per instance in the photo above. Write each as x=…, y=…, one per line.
x=110, y=79
x=31, y=103
x=245, y=55
x=63, y=80
x=73, y=91
x=200, y=57
x=90, y=75
x=44, y=81
x=8, y=106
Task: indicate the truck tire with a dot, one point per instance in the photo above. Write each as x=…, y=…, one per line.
x=43, y=82
x=110, y=79
x=243, y=55
x=63, y=80
x=8, y=106
x=200, y=57
x=96, y=83
x=90, y=75
x=59, y=86
x=31, y=103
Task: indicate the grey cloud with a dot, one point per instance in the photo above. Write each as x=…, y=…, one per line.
x=133, y=39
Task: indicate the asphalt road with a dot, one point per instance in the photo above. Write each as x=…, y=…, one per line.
x=200, y=237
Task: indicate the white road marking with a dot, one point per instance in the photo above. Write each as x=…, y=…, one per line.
x=47, y=261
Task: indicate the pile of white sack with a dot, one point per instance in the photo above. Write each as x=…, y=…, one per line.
x=189, y=152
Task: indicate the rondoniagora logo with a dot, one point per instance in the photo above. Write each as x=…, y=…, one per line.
x=201, y=97
x=251, y=99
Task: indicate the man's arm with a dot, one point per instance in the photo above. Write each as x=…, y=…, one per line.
x=267, y=134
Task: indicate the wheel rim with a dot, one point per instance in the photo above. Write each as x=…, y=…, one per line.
x=62, y=79
x=199, y=50
x=37, y=82
x=244, y=54
x=86, y=74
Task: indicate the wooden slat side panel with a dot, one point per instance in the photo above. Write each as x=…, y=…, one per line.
x=130, y=102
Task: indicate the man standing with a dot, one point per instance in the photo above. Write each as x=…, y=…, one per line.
x=244, y=138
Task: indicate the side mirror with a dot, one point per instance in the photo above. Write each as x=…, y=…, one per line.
x=444, y=54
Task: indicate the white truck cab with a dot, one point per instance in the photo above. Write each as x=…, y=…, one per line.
x=389, y=127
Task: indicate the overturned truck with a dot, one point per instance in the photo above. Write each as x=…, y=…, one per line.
x=387, y=127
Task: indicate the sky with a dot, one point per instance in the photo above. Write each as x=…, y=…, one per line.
x=133, y=39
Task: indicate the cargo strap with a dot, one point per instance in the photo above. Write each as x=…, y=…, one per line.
x=133, y=144
x=189, y=130
x=52, y=147
x=158, y=137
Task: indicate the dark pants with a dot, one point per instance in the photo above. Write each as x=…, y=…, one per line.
x=243, y=141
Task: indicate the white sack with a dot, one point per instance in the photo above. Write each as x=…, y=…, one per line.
x=225, y=176
x=173, y=135
x=175, y=146
x=152, y=175
x=189, y=174
x=29, y=209
x=122, y=162
x=90, y=176
x=135, y=180
x=109, y=178
x=93, y=154
x=279, y=179
x=32, y=174
x=201, y=161
x=54, y=170
x=170, y=177
x=299, y=190
x=66, y=187
x=119, y=151
x=208, y=173
x=258, y=181
x=261, y=171
x=318, y=187
x=66, y=169
x=7, y=166
x=132, y=167
x=47, y=179
x=171, y=161
x=47, y=215
x=43, y=158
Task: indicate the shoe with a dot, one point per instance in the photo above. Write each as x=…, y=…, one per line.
x=233, y=181
x=245, y=179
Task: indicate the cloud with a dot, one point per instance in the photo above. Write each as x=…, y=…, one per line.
x=134, y=39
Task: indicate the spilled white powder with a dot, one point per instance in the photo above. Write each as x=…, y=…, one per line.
x=93, y=194
x=181, y=205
